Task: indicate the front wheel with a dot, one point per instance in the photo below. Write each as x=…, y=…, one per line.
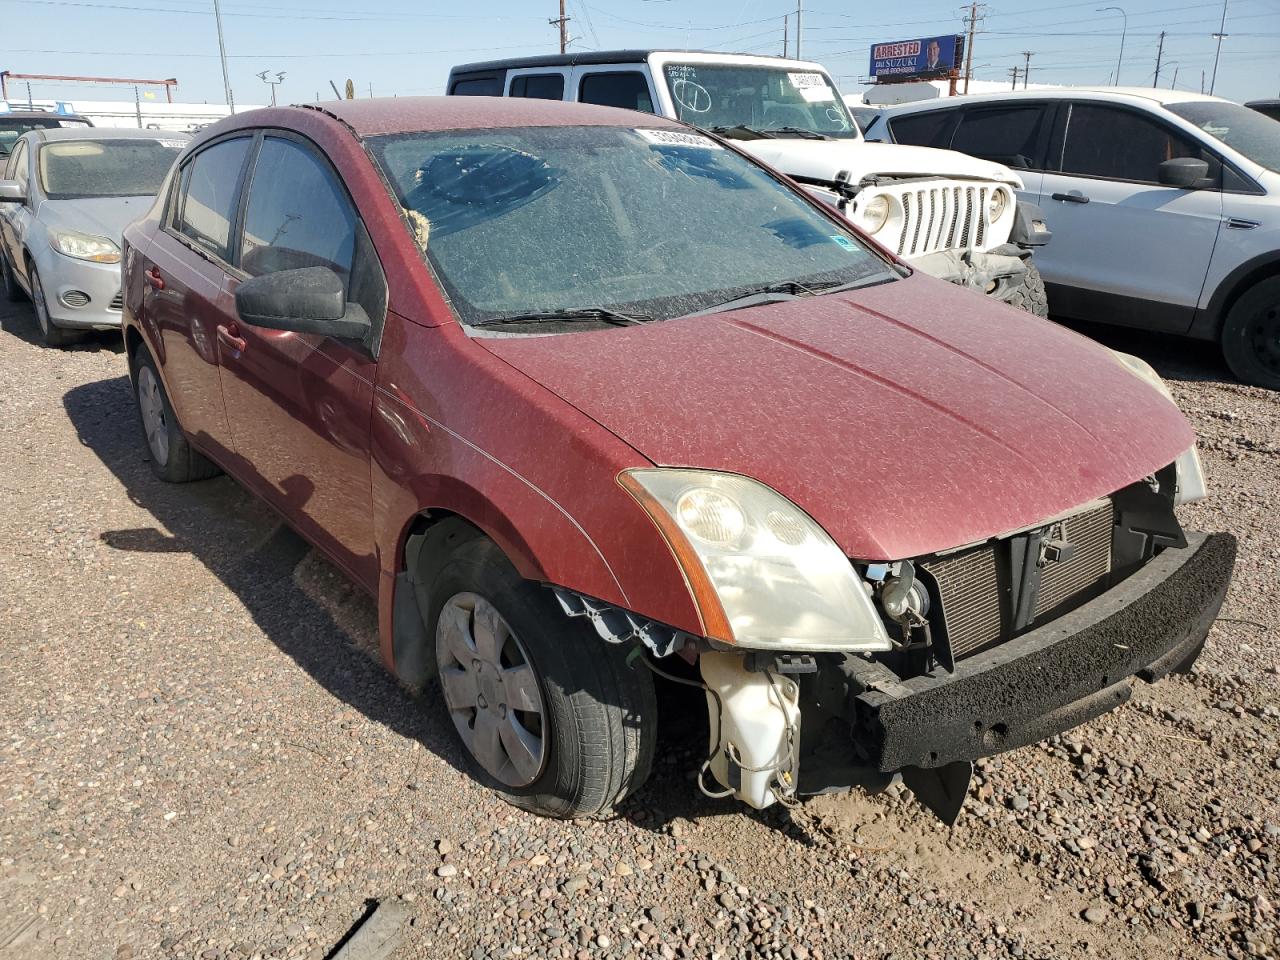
x=173, y=459
x=1251, y=335
x=12, y=292
x=1030, y=294
x=53, y=335
x=551, y=716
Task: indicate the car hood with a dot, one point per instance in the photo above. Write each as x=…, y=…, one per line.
x=907, y=418
x=823, y=159
x=99, y=216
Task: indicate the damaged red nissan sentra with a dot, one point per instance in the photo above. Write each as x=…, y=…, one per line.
x=582, y=395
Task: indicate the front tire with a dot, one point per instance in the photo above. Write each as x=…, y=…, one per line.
x=1030, y=294
x=551, y=716
x=173, y=459
x=53, y=335
x=1251, y=335
x=12, y=292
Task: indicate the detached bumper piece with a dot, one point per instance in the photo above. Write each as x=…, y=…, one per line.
x=1047, y=680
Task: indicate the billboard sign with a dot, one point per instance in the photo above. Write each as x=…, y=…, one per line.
x=928, y=57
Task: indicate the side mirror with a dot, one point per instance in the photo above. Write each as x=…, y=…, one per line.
x=11, y=192
x=1185, y=172
x=307, y=300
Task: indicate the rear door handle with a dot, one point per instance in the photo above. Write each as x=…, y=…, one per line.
x=154, y=278
x=1073, y=196
x=229, y=336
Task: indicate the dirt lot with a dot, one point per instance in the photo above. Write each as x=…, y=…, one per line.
x=200, y=758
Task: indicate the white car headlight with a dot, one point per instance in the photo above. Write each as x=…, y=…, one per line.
x=1190, y=473
x=83, y=246
x=875, y=214
x=762, y=572
x=997, y=205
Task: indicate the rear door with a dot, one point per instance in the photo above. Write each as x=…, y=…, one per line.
x=1125, y=248
x=188, y=294
x=299, y=404
x=15, y=216
x=1015, y=135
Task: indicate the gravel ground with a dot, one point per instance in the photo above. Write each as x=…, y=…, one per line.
x=201, y=759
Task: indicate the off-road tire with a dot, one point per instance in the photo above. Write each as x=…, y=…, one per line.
x=52, y=334
x=1251, y=335
x=181, y=463
x=1030, y=294
x=600, y=711
x=12, y=292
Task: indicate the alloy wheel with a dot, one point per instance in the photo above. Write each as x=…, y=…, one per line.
x=491, y=690
x=37, y=300
x=154, y=422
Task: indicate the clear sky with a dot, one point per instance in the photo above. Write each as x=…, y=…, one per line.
x=407, y=46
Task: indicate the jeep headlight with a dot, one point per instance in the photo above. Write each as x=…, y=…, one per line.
x=997, y=205
x=762, y=573
x=875, y=214
x=83, y=246
x=1190, y=472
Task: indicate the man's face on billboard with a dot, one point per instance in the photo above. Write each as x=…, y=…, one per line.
x=935, y=51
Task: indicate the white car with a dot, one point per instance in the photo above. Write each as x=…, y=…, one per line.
x=66, y=197
x=1165, y=205
x=947, y=214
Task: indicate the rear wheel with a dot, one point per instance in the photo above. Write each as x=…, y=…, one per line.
x=551, y=716
x=1030, y=294
x=173, y=459
x=12, y=292
x=1251, y=335
x=54, y=336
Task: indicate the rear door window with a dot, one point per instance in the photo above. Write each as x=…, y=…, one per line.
x=477, y=87
x=538, y=86
x=1008, y=135
x=1114, y=144
x=931, y=129
x=210, y=191
x=628, y=89
x=297, y=214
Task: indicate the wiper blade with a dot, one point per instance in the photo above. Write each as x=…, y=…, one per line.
x=799, y=132
x=790, y=290
x=740, y=131
x=579, y=315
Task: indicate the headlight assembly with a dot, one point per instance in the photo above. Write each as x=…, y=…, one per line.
x=997, y=205
x=83, y=246
x=1191, y=482
x=762, y=572
x=875, y=214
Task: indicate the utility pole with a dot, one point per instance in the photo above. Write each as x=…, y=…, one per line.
x=972, y=21
x=1174, y=85
x=562, y=22
x=1159, y=57
x=786, y=22
x=1013, y=72
x=1222, y=27
x=799, y=12
x=222, y=53
x=1026, y=73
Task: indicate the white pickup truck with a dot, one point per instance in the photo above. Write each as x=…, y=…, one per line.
x=950, y=215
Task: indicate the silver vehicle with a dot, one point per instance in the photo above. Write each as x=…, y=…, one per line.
x=66, y=197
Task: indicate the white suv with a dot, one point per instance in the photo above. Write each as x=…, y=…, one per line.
x=1165, y=205
x=949, y=215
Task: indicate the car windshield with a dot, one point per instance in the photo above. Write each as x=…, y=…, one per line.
x=76, y=169
x=652, y=222
x=760, y=98
x=1245, y=131
x=12, y=128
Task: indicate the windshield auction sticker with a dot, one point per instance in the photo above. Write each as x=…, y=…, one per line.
x=679, y=138
x=813, y=87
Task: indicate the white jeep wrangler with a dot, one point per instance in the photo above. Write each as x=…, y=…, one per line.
x=950, y=215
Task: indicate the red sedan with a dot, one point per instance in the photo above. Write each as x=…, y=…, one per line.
x=583, y=395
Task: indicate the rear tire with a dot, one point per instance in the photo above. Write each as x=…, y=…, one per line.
x=53, y=335
x=173, y=459
x=1251, y=335
x=12, y=292
x=1030, y=294
x=585, y=720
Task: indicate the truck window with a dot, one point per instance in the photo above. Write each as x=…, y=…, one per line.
x=627, y=89
x=538, y=86
x=477, y=87
x=1008, y=135
x=932, y=129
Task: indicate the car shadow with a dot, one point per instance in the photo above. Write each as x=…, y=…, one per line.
x=246, y=546
x=19, y=320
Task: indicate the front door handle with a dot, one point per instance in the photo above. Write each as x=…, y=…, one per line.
x=229, y=336
x=154, y=278
x=1073, y=196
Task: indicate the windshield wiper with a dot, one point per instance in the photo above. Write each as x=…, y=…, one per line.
x=790, y=290
x=579, y=315
x=741, y=131
x=799, y=132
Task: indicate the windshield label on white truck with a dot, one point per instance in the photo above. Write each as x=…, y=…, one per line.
x=813, y=87
x=679, y=138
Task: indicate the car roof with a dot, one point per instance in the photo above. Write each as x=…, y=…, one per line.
x=104, y=133
x=1120, y=94
x=590, y=57
x=389, y=115
x=41, y=115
